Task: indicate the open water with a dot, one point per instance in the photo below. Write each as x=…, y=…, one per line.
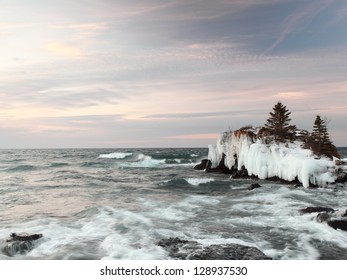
x=117, y=204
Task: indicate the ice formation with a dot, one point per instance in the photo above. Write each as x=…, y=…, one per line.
x=288, y=161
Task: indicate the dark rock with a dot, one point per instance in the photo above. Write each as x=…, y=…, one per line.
x=228, y=252
x=279, y=180
x=254, y=186
x=192, y=250
x=338, y=224
x=209, y=166
x=323, y=217
x=172, y=243
x=202, y=165
x=19, y=243
x=335, y=220
x=23, y=237
x=240, y=174
x=221, y=168
x=341, y=177
x=316, y=210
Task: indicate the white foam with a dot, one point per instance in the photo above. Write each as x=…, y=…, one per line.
x=199, y=181
x=144, y=161
x=139, y=247
x=180, y=211
x=278, y=209
x=198, y=200
x=172, y=214
x=169, y=213
x=116, y=155
x=109, y=234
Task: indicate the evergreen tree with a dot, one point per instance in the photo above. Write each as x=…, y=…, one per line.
x=319, y=140
x=278, y=124
x=320, y=132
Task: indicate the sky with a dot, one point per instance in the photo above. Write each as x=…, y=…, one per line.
x=175, y=73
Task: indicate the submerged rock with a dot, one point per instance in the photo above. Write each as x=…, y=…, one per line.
x=323, y=217
x=333, y=218
x=192, y=250
x=23, y=237
x=341, y=176
x=254, y=186
x=220, y=168
x=19, y=243
x=313, y=209
x=336, y=220
x=338, y=224
x=202, y=165
x=240, y=174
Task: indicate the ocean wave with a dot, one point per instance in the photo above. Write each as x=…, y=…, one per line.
x=116, y=155
x=150, y=158
x=144, y=161
x=175, y=183
x=190, y=184
x=199, y=181
x=173, y=161
x=58, y=164
x=99, y=233
x=21, y=168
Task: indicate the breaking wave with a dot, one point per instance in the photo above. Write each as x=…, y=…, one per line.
x=144, y=161
x=152, y=160
x=199, y=181
x=116, y=155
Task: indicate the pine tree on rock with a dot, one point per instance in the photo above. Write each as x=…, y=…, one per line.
x=278, y=124
x=320, y=133
x=319, y=140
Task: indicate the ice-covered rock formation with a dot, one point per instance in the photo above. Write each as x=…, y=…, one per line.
x=248, y=149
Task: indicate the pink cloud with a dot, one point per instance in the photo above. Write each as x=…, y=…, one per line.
x=291, y=95
x=63, y=49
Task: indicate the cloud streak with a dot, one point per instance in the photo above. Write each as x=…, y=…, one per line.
x=303, y=16
x=199, y=115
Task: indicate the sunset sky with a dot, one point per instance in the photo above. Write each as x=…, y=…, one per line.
x=155, y=73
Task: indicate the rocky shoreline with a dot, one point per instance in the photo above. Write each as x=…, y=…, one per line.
x=177, y=249
x=180, y=249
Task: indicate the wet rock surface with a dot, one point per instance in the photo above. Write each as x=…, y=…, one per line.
x=317, y=209
x=336, y=219
x=202, y=165
x=19, y=243
x=192, y=250
x=221, y=168
x=254, y=186
x=338, y=223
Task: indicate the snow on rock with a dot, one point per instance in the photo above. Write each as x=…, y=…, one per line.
x=288, y=161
